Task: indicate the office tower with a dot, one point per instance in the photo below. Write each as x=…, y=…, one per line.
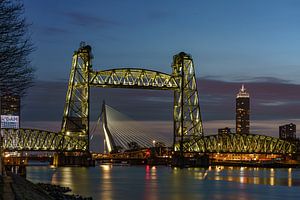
x=10, y=111
x=243, y=112
x=287, y=132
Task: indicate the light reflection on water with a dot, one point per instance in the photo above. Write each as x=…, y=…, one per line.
x=266, y=176
x=153, y=183
x=107, y=183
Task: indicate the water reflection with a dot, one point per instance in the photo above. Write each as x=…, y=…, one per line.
x=271, y=176
x=151, y=186
x=151, y=183
x=70, y=176
x=106, y=187
x=64, y=174
x=290, y=177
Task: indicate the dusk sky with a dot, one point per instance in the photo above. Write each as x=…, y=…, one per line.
x=230, y=40
x=256, y=42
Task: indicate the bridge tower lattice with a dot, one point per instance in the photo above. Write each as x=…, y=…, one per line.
x=186, y=111
x=75, y=121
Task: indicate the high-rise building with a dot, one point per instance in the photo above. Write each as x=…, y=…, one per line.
x=243, y=111
x=225, y=130
x=10, y=111
x=287, y=132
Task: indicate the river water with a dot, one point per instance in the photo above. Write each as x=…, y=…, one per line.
x=153, y=183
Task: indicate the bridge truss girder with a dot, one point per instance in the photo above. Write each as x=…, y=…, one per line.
x=132, y=78
x=39, y=140
x=244, y=143
x=187, y=117
x=188, y=130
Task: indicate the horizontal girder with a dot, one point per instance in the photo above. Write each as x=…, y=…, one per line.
x=40, y=140
x=244, y=143
x=133, y=78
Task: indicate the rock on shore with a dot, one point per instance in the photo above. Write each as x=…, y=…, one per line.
x=58, y=192
x=22, y=189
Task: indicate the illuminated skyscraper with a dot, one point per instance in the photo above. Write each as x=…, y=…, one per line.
x=287, y=132
x=242, y=111
x=10, y=111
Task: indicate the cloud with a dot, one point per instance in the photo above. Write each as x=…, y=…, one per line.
x=269, y=100
x=261, y=79
x=44, y=101
x=246, y=79
x=274, y=103
x=164, y=99
x=88, y=20
x=53, y=30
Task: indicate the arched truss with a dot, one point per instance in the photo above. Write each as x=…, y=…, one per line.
x=244, y=143
x=39, y=140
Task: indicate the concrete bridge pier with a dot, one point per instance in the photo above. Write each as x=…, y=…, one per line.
x=15, y=165
x=190, y=160
x=83, y=159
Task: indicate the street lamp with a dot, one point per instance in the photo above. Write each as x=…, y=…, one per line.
x=153, y=143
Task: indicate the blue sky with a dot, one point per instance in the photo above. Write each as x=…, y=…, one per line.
x=231, y=40
x=256, y=42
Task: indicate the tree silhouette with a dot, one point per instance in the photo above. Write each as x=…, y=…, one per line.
x=16, y=73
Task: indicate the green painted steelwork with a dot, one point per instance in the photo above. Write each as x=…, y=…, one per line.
x=188, y=130
x=132, y=78
x=187, y=118
x=39, y=140
x=243, y=143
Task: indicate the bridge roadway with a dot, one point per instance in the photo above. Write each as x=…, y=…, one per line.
x=42, y=140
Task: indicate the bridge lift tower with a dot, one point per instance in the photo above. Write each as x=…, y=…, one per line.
x=186, y=111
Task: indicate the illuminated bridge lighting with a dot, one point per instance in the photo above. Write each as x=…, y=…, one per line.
x=120, y=131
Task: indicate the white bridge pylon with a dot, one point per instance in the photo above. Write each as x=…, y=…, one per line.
x=120, y=131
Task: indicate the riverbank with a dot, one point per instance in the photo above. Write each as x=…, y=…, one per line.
x=14, y=187
x=60, y=193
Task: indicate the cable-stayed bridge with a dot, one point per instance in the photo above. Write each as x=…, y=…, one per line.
x=188, y=135
x=122, y=132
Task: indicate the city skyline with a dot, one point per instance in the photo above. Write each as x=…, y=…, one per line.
x=254, y=44
x=149, y=99
x=146, y=103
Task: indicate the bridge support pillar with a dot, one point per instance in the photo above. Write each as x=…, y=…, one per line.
x=73, y=159
x=16, y=165
x=190, y=161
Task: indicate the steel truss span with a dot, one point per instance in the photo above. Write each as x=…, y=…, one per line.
x=188, y=131
x=187, y=117
x=244, y=143
x=132, y=78
x=39, y=140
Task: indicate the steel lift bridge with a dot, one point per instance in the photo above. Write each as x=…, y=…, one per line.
x=188, y=131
